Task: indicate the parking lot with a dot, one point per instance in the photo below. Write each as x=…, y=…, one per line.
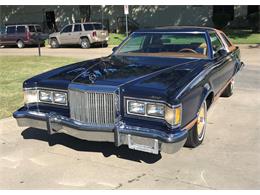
x=229, y=157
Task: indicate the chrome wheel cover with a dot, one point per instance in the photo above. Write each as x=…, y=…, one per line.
x=201, y=122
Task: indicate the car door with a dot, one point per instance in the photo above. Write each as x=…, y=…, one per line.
x=77, y=32
x=65, y=35
x=21, y=32
x=10, y=36
x=224, y=64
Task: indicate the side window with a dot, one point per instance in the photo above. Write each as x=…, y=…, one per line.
x=226, y=40
x=38, y=29
x=77, y=28
x=31, y=28
x=67, y=29
x=10, y=30
x=20, y=29
x=215, y=42
x=88, y=27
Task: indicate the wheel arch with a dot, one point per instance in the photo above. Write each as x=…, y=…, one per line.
x=85, y=36
x=56, y=39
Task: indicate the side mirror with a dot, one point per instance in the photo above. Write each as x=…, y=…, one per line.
x=223, y=52
x=114, y=49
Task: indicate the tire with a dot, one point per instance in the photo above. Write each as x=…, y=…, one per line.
x=229, y=90
x=104, y=45
x=20, y=44
x=197, y=133
x=85, y=44
x=54, y=43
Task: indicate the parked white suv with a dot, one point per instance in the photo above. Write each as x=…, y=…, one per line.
x=84, y=34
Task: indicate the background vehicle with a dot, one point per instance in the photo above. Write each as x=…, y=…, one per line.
x=22, y=35
x=151, y=94
x=83, y=34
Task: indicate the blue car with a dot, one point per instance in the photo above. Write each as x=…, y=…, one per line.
x=152, y=93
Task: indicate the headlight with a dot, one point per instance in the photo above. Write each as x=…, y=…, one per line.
x=135, y=107
x=155, y=110
x=30, y=96
x=171, y=114
x=51, y=97
x=60, y=98
x=45, y=96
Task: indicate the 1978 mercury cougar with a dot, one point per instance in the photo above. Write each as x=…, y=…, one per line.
x=152, y=93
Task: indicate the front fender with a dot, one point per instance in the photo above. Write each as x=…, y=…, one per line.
x=192, y=102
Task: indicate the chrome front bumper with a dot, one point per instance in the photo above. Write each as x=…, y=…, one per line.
x=137, y=138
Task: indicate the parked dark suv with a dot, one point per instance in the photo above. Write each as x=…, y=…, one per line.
x=21, y=35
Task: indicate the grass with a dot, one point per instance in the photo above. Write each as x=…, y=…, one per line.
x=243, y=37
x=115, y=39
x=14, y=70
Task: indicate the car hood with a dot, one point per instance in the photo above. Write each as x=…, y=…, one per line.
x=125, y=72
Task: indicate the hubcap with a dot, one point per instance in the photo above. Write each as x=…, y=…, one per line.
x=20, y=44
x=232, y=85
x=53, y=43
x=84, y=44
x=201, y=122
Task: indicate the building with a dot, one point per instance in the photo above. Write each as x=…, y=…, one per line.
x=52, y=18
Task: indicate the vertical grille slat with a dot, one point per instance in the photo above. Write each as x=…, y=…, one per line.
x=94, y=108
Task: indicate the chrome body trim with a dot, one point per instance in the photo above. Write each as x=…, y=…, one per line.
x=119, y=133
x=98, y=106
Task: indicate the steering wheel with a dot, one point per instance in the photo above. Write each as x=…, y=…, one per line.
x=188, y=49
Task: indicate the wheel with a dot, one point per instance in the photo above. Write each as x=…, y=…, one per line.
x=104, y=44
x=54, y=43
x=20, y=44
x=229, y=90
x=85, y=43
x=197, y=132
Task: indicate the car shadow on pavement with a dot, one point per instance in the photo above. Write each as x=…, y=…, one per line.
x=106, y=148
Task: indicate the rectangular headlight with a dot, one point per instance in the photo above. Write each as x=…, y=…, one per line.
x=30, y=96
x=45, y=96
x=155, y=110
x=60, y=98
x=171, y=114
x=135, y=107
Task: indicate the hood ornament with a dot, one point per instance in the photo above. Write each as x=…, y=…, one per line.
x=92, y=77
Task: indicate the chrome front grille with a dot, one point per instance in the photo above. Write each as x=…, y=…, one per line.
x=93, y=108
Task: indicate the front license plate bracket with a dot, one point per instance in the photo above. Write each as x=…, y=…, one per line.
x=151, y=145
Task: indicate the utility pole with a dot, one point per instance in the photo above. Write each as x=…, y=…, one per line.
x=126, y=11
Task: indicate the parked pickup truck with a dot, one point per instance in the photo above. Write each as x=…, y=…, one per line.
x=152, y=93
x=22, y=35
x=83, y=34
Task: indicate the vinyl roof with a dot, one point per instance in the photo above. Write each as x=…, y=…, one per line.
x=177, y=29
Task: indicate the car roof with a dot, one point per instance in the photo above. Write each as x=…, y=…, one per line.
x=23, y=25
x=178, y=29
x=85, y=23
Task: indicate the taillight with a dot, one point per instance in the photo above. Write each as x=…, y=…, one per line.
x=94, y=34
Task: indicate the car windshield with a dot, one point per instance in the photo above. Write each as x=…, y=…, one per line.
x=165, y=45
